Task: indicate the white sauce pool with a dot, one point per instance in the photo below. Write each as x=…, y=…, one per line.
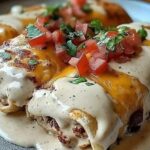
x=30, y=134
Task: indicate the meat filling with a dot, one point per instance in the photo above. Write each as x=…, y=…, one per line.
x=51, y=125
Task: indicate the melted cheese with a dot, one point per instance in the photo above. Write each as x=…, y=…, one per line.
x=128, y=94
x=48, y=65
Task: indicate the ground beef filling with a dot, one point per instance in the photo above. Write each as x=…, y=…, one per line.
x=135, y=121
x=50, y=124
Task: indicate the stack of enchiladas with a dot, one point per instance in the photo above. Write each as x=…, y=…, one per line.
x=81, y=79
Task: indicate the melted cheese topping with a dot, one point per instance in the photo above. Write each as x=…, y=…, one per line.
x=48, y=64
x=91, y=99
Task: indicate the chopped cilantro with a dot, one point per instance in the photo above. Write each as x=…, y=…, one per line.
x=66, y=28
x=143, y=33
x=52, y=10
x=111, y=44
x=5, y=55
x=86, y=8
x=71, y=48
x=96, y=25
x=122, y=30
x=78, y=80
x=33, y=31
x=81, y=46
x=89, y=84
x=32, y=62
x=73, y=35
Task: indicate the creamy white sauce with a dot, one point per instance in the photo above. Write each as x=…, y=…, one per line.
x=12, y=21
x=139, y=68
x=68, y=96
x=137, y=26
x=17, y=9
x=29, y=14
x=14, y=85
x=21, y=131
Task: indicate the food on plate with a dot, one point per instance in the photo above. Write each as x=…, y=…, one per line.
x=73, y=74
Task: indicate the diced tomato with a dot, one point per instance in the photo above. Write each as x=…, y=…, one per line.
x=66, y=12
x=73, y=61
x=78, y=41
x=46, y=31
x=83, y=65
x=41, y=20
x=79, y=3
x=117, y=53
x=58, y=37
x=81, y=27
x=38, y=41
x=91, y=46
x=98, y=65
x=54, y=25
x=102, y=53
x=123, y=59
x=112, y=34
x=62, y=53
x=77, y=11
x=131, y=43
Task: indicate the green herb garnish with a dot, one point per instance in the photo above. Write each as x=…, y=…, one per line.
x=73, y=35
x=89, y=84
x=86, y=8
x=53, y=10
x=122, y=30
x=111, y=44
x=66, y=28
x=71, y=48
x=5, y=55
x=78, y=80
x=96, y=25
x=32, y=62
x=143, y=33
x=33, y=31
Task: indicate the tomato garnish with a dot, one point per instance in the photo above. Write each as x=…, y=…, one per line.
x=79, y=3
x=131, y=43
x=98, y=65
x=73, y=61
x=58, y=37
x=82, y=27
x=42, y=20
x=91, y=46
x=83, y=65
x=38, y=41
x=62, y=53
x=112, y=34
